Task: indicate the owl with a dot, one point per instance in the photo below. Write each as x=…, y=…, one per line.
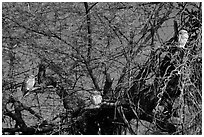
x=28, y=84
x=182, y=38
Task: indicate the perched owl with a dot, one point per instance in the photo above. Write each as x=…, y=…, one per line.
x=28, y=84
x=182, y=38
x=96, y=99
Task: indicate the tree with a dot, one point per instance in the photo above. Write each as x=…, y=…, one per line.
x=111, y=48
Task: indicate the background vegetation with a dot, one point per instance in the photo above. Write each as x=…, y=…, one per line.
x=81, y=41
